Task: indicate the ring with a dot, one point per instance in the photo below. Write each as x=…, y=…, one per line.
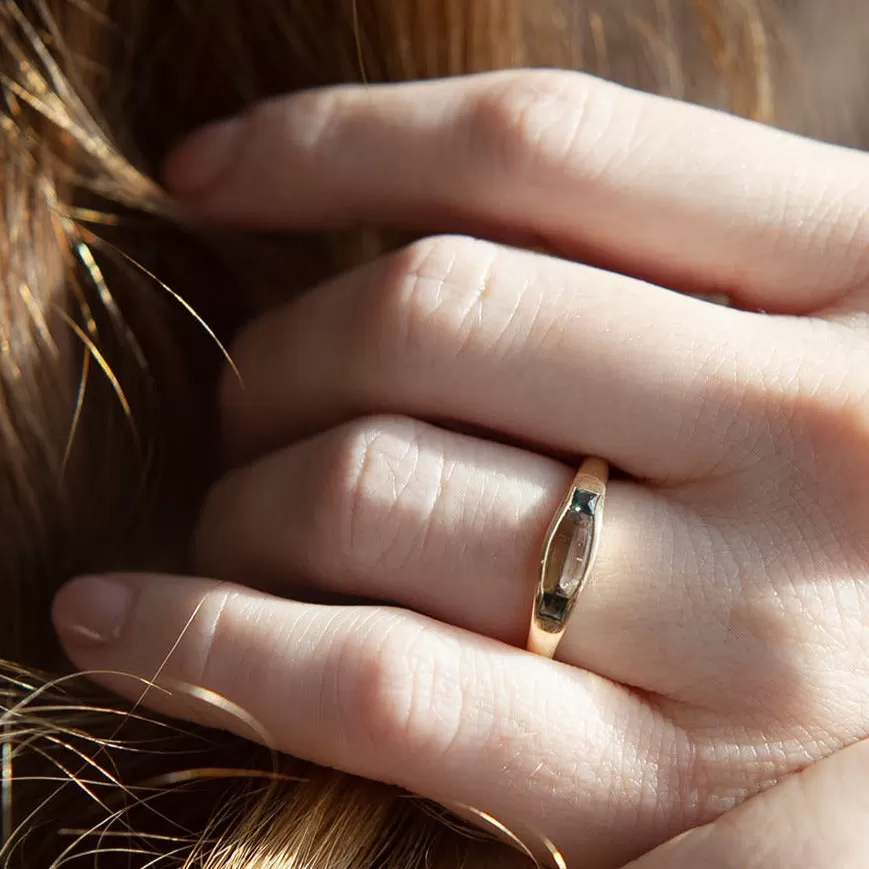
x=568, y=556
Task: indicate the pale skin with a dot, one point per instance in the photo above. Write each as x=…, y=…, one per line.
x=723, y=644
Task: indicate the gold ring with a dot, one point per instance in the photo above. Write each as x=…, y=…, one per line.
x=568, y=556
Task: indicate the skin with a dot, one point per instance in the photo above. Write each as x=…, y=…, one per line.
x=722, y=644
x=813, y=820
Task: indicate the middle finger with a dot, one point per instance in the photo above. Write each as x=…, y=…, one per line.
x=564, y=356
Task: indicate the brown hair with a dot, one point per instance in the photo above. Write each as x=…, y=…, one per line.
x=102, y=365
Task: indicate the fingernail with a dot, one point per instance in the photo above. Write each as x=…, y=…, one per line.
x=92, y=610
x=199, y=163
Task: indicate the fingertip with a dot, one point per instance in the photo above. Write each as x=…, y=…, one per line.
x=199, y=163
x=92, y=611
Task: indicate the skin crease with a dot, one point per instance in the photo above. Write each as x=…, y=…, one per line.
x=845, y=126
x=839, y=125
x=821, y=74
x=761, y=641
x=815, y=820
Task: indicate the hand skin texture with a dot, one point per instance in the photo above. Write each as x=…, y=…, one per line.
x=816, y=820
x=404, y=433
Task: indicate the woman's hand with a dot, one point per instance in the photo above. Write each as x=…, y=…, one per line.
x=818, y=819
x=723, y=643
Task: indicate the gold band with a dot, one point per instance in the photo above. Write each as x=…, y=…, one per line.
x=568, y=556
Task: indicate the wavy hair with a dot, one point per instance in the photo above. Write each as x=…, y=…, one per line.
x=110, y=338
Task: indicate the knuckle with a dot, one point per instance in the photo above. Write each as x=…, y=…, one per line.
x=377, y=497
x=336, y=498
x=437, y=299
x=537, y=121
x=312, y=120
x=402, y=692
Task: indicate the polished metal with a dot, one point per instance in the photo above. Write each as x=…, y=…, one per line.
x=567, y=557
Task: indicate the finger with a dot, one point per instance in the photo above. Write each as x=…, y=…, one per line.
x=400, y=699
x=682, y=195
x=446, y=525
x=566, y=357
x=452, y=527
x=816, y=820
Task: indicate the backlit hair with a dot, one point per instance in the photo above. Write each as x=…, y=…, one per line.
x=107, y=374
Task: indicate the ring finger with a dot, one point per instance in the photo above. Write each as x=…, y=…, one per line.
x=452, y=527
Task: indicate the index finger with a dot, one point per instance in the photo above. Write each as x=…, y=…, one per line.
x=676, y=194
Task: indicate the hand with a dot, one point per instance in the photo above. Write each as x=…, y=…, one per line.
x=723, y=643
x=816, y=820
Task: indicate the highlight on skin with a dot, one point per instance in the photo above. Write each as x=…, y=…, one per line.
x=104, y=364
